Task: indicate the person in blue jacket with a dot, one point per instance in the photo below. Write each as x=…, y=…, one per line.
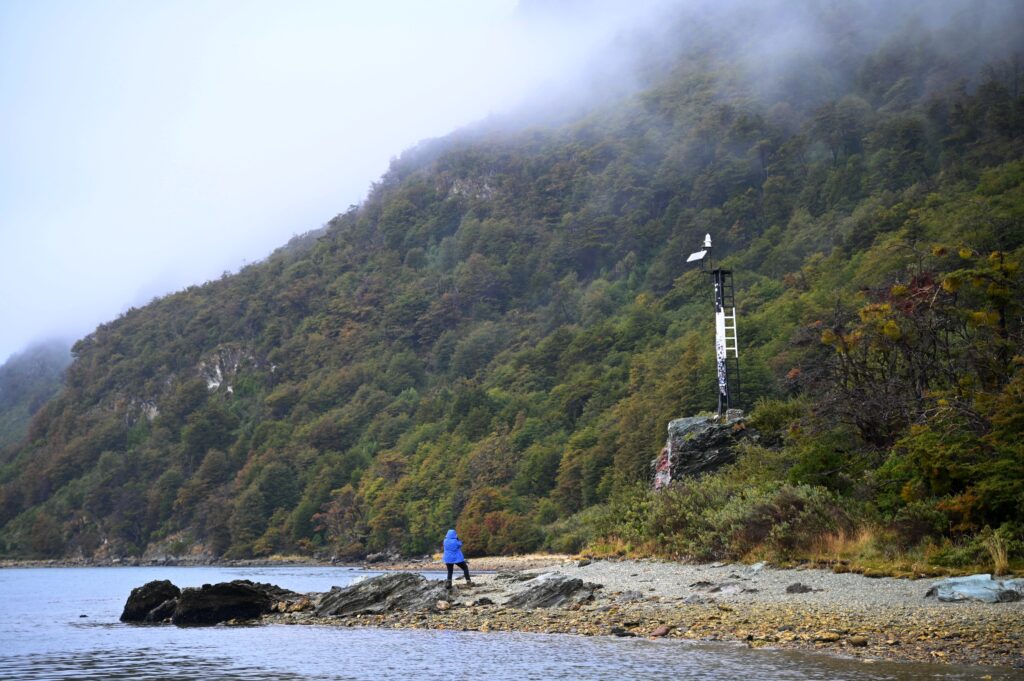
x=453, y=556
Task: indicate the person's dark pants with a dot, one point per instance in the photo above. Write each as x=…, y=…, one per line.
x=465, y=571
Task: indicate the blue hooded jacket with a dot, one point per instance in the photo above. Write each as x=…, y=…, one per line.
x=453, y=548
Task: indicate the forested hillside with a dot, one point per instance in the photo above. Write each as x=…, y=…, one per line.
x=27, y=381
x=496, y=338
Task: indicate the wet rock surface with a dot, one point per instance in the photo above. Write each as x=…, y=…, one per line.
x=236, y=600
x=149, y=602
x=162, y=601
x=163, y=612
x=399, y=591
x=550, y=590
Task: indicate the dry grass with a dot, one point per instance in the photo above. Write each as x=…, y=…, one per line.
x=838, y=546
x=998, y=550
x=609, y=547
x=287, y=558
x=866, y=550
x=859, y=552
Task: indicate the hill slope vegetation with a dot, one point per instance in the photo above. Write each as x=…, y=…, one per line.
x=27, y=381
x=497, y=337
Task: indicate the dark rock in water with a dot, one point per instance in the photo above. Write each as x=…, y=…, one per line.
x=550, y=590
x=697, y=445
x=275, y=592
x=163, y=612
x=399, y=591
x=161, y=601
x=798, y=588
x=240, y=599
x=620, y=632
x=144, y=599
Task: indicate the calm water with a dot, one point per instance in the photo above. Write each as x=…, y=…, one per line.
x=42, y=636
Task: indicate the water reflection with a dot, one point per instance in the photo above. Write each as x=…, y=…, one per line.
x=344, y=654
x=135, y=664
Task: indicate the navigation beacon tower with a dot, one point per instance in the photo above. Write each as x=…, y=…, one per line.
x=727, y=352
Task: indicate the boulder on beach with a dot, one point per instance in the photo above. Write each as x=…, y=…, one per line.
x=398, y=591
x=149, y=602
x=799, y=588
x=215, y=603
x=514, y=576
x=697, y=445
x=980, y=588
x=551, y=590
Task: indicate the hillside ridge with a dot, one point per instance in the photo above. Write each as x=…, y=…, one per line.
x=496, y=338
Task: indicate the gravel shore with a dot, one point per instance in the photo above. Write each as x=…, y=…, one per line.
x=846, y=614
x=839, y=613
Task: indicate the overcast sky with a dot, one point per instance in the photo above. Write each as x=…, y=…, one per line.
x=146, y=146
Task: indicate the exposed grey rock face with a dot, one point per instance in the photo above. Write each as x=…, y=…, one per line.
x=147, y=602
x=399, y=591
x=240, y=599
x=697, y=445
x=550, y=590
x=977, y=588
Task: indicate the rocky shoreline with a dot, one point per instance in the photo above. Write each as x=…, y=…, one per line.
x=759, y=606
x=374, y=562
x=185, y=561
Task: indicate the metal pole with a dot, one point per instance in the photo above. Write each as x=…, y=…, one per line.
x=721, y=349
x=726, y=341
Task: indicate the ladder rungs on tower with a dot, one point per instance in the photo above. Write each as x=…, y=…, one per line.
x=731, y=338
x=727, y=347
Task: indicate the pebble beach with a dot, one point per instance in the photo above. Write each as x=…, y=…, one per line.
x=759, y=606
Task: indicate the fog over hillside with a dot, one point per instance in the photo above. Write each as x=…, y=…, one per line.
x=149, y=148
x=146, y=148
x=494, y=338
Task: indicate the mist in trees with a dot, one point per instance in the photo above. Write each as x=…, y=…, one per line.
x=496, y=338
